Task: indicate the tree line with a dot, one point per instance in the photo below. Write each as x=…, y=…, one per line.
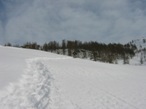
x=92, y=50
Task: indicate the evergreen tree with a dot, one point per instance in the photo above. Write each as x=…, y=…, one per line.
x=63, y=46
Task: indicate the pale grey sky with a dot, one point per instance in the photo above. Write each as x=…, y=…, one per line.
x=97, y=20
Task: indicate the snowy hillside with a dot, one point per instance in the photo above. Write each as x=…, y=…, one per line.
x=31, y=79
x=140, y=57
x=140, y=43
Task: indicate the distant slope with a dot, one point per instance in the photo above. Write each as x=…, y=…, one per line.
x=140, y=57
x=140, y=43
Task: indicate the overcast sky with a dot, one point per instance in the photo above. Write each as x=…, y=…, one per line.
x=97, y=20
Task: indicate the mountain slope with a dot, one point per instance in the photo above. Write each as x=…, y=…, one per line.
x=140, y=57
x=53, y=81
x=140, y=43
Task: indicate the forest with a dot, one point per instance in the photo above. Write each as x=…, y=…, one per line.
x=92, y=50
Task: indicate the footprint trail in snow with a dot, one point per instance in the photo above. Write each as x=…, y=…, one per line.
x=32, y=91
x=65, y=83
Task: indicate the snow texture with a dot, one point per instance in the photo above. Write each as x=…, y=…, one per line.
x=52, y=81
x=32, y=91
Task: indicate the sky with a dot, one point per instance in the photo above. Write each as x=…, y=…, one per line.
x=41, y=21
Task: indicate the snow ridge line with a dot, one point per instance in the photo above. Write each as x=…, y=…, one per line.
x=33, y=89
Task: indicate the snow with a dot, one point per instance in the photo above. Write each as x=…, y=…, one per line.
x=32, y=79
x=136, y=60
x=139, y=43
x=32, y=91
x=13, y=62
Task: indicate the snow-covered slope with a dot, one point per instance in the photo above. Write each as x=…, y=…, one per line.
x=13, y=62
x=140, y=43
x=140, y=57
x=41, y=80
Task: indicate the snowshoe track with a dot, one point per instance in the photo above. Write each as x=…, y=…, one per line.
x=32, y=91
x=59, y=87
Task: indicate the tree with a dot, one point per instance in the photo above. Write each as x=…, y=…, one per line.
x=45, y=47
x=141, y=58
x=69, y=52
x=8, y=44
x=125, y=59
x=70, y=46
x=144, y=40
x=84, y=54
x=63, y=46
x=94, y=53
